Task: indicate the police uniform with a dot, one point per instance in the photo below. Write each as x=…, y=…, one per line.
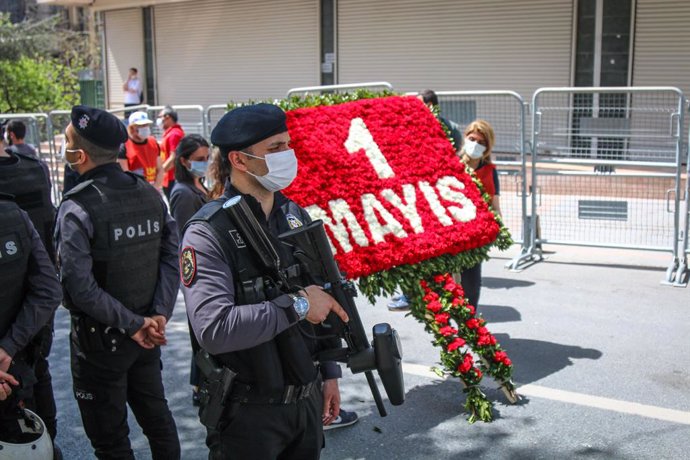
x=249, y=325
x=27, y=178
x=29, y=294
x=117, y=256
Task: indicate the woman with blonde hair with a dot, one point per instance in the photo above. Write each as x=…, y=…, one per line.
x=478, y=143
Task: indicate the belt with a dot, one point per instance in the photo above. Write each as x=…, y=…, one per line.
x=248, y=394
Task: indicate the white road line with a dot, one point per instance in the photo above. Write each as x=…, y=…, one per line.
x=625, y=407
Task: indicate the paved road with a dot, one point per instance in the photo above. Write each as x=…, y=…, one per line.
x=600, y=353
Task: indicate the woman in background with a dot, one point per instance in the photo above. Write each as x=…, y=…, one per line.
x=476, y=151
x=188, y=196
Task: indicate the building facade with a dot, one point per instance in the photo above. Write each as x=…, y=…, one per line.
x=214, y=51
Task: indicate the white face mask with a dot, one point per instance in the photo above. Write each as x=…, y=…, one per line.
x=144, y=132
x=473, y=149
x=282, y=170
x=63, y=150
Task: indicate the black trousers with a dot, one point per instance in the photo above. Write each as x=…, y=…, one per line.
x=105, y=381
x=194, y=372
x=471, y=281
x=270, y=431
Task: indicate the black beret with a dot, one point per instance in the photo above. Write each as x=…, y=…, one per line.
x=98, y=126
x=247, y=125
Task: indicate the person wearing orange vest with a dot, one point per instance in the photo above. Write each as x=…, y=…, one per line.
x=173, y=134
x=141, y=153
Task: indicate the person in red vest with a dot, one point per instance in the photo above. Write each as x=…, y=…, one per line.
x=478, y=143
x=141, y=153
x=172, y=135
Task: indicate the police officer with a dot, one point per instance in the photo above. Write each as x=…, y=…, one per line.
x=277, y=402
x=27, y=178
x=117, y=256
x=29, y=294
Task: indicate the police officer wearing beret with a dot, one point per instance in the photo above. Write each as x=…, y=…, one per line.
x=27, y=178
x=277, y=402
x=29, y=295
x=117, y=257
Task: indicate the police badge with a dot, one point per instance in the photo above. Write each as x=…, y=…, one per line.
x=187, y=265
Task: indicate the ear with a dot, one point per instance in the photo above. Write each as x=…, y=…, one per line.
x=237, y=160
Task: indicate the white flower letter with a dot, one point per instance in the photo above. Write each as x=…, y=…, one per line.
x=408, y=209
x=372, y=206
x=449, y=188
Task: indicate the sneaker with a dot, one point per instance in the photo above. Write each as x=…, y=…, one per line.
x=345, y=418
x=401, y=304
x=397, y=297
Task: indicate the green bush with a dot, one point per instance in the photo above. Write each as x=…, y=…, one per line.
x=36, y=85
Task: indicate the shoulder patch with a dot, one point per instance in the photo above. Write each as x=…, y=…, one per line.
x=187, y=265
x=293, y=221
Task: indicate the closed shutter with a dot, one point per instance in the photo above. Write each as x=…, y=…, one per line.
x=124, y=44
x=662, y=44
x=215, y=51
x=451, y=45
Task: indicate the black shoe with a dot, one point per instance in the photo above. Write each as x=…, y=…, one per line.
x=195, y=399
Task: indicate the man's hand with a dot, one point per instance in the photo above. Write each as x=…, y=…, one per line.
x=157, y=333
x=141, y=337
x=5, y=381
x=321, y=304
x=331, y=401
x=5, y=360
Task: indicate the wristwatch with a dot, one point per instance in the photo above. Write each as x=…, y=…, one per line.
x=301, y=305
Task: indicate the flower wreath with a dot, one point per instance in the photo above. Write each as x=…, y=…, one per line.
x=425, y=220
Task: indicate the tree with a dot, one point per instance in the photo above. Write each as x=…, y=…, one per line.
x=39, y=61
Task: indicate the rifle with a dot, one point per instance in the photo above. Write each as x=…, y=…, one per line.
x=314, y=253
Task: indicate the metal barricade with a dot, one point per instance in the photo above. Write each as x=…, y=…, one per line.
x=212, y=114
x=337, y=88
x=38, y=134
x=59, y=119
x=505, y=111
x=681, y=275
x=606, y=169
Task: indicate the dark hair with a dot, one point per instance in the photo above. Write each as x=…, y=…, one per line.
x=134, y=69
x=429, y=96
x=17, y=127
x=167, y=110
x=99, y=155
x=187, y=146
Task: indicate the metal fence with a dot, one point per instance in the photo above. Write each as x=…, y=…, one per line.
x=505, y=111
x=603, y=167
x=606, y=169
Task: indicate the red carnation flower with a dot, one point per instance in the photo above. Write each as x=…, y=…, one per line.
x=449, y=278
x=482, y=330
x=472, y=323
x=434, y=306
x=478, y=373
x=438, y=279
x=507, y=362
x=484, y=340
x=456, y=301
x=499, y=356
x=442, y=318
x=431, y=296
x=492, y=339
x=455, y=344
x=471, y=309
x=466, y=364
x=458, y=291
x=424, y=284
x=447, y=330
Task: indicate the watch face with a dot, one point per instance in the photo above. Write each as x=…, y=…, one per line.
x=301, y=306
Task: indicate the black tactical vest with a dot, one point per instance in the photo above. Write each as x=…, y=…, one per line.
x=27, y=181
x=127, y=229
x=15, y=248
x=287, y=359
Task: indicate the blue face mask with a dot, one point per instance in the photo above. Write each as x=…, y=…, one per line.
x=198, y=168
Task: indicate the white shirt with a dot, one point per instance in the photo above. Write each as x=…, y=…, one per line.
x=134, y=91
